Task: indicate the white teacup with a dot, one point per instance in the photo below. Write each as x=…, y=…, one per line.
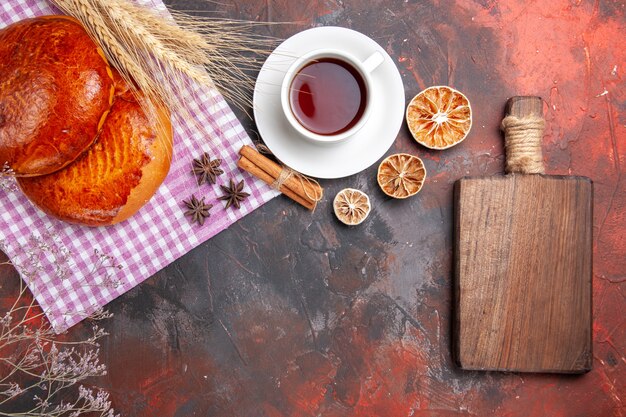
x=364, y=68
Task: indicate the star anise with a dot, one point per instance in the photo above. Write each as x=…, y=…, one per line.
x=198, y=209
x=233, y=194
x=206, y=169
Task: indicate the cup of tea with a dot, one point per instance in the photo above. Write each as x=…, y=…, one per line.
x=326, y=94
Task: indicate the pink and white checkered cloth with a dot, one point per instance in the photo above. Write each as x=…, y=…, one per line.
x=72, y=270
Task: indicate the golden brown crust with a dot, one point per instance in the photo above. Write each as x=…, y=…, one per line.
x=153, y=173
x=55, y=91
x=115, y=177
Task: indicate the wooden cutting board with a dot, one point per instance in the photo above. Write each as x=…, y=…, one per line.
x=523, y=265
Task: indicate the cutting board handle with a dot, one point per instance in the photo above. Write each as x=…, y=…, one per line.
x=523, y=131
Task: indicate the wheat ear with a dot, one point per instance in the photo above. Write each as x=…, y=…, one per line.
x=160, y=55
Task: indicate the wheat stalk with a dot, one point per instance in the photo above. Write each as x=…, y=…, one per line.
x=159, y=56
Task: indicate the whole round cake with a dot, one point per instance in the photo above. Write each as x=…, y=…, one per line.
x=56, y=89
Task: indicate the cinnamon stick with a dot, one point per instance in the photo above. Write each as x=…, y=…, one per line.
x=302, y=188
x=308, y=192
x=247, y=165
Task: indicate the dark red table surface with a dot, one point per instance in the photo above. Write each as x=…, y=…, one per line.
x=289, y=313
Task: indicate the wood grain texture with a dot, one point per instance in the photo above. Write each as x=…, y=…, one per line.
x=524, y=106
x=523, y=273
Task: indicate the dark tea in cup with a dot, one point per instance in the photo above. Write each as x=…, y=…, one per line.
x=325, y=94
x=328, y=96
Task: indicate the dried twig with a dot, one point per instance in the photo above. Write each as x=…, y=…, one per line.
x=42, y=367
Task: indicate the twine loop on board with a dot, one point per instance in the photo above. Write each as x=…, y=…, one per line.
x=311, y=191
x=522, y=139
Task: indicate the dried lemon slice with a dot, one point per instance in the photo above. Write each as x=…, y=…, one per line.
x=351, y=206
x=439, y=117
x=401, y=175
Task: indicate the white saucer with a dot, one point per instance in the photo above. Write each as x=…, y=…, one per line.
x=358, y=152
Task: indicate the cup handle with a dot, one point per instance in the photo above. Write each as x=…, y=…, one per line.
x=373, y=61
